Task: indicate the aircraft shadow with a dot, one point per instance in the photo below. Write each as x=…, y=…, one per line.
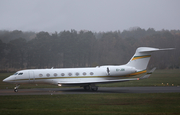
x=81, y=90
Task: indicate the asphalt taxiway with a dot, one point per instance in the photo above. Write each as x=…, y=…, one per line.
x=101, y=90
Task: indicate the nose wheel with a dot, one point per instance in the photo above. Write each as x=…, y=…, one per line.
x=16, y=88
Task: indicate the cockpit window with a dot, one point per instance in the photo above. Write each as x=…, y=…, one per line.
x=20, y=73
x=15, y=73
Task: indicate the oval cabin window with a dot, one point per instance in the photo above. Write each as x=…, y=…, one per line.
x=77, y=74
x=91, y=73
x=84, y=73
x=40, y=75
x=55, y=74
x=69, y=74
x=62, y=74
x=47, y=74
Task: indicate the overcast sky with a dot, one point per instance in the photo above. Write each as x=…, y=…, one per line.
x=93, y=15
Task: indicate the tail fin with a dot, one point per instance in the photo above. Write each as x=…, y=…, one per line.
x=142, y=56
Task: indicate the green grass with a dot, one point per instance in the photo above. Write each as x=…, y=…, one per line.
x=156, y=79
x=104, y=104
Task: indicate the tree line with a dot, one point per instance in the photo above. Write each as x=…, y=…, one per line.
x=22, y=50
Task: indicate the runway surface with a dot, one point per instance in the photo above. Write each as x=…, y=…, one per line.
x=101, y=90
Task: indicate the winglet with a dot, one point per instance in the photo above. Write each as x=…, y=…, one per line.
x=148, y=74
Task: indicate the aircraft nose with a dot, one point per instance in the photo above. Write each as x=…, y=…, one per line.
x=6, y=80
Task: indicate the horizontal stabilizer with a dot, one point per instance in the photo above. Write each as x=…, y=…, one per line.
x=148, y=74
x=149, y=49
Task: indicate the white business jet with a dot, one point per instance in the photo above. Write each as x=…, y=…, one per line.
x=88, y=77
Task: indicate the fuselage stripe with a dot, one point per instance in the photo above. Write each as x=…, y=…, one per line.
x=140, y=57
x=137, y=73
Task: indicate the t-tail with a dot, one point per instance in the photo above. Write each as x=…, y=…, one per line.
x=141, y=58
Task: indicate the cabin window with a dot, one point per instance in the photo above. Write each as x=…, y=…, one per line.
x=47, y=74
x=91, y=73
x=77, y=73
x=20, y=73
x=40, y=75
x=15, y=73
x=84, y=73
x=55, y=74
x=69, y=74
x=62, y=74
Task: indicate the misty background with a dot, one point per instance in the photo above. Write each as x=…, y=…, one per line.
x=93, y=15
x=66, y=33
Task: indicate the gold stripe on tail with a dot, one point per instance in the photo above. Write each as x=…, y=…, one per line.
x=137, y=73
x=139, y=57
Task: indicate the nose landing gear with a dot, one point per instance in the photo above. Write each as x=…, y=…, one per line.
x=16, y=88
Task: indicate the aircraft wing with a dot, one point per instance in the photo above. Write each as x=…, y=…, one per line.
x=96, y=82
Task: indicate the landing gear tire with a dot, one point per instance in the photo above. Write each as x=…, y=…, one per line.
x=15, y=90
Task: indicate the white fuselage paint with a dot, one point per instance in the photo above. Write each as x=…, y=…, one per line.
x=71, y=75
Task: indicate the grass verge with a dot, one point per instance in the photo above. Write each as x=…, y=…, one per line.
x=104, y=104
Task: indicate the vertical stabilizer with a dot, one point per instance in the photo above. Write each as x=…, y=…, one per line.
x=142, y=56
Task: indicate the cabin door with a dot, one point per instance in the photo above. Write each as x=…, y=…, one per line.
x=31, y=76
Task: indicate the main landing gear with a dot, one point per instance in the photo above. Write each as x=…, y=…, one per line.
x=16, y=88
x=90, y=87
